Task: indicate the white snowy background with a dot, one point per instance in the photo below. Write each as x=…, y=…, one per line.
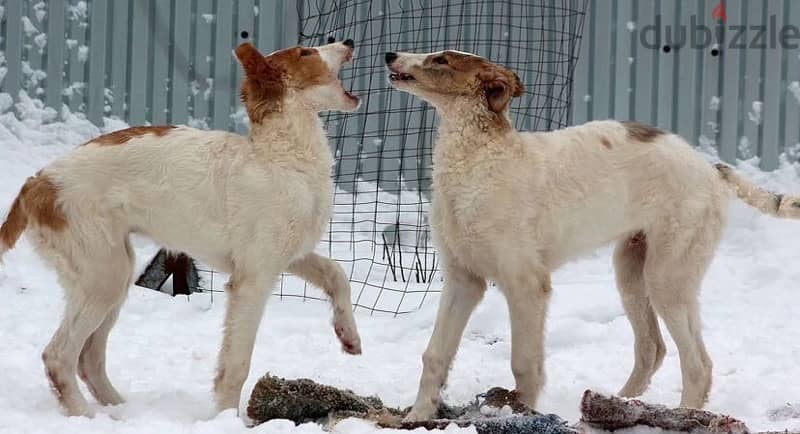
x=162, y=353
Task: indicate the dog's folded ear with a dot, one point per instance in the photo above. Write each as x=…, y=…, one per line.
x=497, y=95
x=499, y=87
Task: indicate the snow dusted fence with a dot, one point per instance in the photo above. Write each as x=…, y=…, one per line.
x=379, y=230
x=733, y=90
x=169, y=61
x=736, y=90
x=158, y=61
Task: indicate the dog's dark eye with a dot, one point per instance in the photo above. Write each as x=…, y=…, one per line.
x=441, y=60
x=306, y=52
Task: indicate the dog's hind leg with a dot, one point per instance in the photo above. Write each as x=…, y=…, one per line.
x=247, y=294
x=461, y=293
x=676, y=263
x=94, y=288
x=649, y=348
x=328, y=275
x=92, y=360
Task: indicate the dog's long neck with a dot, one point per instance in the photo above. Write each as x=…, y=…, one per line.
x=467, y=130
x=293, y=133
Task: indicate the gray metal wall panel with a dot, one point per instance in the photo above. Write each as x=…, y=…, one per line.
x=160, y=86
x=11, y=82
x=789, y=121
x=666, y=97
x=202, y=85
x=732, y=96
x=120, y=58
x=752, y=84
x=741, y=102
x=36, y=25
x=775, y=90
x=76, y=56
x=98, y=34
x=224, y=62
x=688, y=80
x=180, y=60
x=56, y=26
x=171, y=61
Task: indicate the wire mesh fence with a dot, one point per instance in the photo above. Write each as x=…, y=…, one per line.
x=379, y=226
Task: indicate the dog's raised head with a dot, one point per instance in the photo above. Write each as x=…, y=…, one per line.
x=304, y=76
x=447, y=75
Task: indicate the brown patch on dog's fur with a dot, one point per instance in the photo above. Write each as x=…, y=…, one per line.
x=121, y=136
x=15, y=223
x=606, y=143
x=642, y=132
x=267, y=78
x=497, y=84
x=723, y=169
x=301, y=71
x=38, y=199
x=462, y=74
x=262, y=88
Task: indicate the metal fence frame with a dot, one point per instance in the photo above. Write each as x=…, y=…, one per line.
x=170, y=61
x=712, y=98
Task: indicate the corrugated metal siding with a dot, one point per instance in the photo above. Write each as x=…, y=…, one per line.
x=707, y=99
x=143, y=61
x=170, y=62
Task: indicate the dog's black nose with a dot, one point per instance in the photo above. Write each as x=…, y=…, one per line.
x=390, y=57
x=349, y=43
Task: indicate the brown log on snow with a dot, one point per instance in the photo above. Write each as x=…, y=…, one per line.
x=611, y=413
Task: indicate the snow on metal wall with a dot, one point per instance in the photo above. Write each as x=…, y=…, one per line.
x=158, y=61
x=170, y=61
x=742, y=101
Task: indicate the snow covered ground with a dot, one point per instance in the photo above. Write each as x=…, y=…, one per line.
x=162, y=353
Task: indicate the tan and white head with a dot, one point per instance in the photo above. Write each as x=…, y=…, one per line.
x=295, y=76
x=446, y=76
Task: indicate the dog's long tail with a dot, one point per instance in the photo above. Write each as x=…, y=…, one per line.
x=15, y=223
x=774, y=204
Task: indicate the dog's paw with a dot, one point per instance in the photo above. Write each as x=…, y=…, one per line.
x=79, y=410
x=418, y=414
x=414, y=417
x=348, y=335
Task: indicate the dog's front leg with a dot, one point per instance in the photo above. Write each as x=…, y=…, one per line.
x=247, y=296
x=461, y=293
x=527, y=299
x=328, y=275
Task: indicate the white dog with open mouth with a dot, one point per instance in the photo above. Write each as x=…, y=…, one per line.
x=512, y=206
x=252, y=206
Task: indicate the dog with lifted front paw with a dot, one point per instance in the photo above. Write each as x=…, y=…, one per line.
x=250, y=206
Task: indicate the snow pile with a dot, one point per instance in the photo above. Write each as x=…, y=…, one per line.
x=756, y=113
x=794, y=88
x=162, y=353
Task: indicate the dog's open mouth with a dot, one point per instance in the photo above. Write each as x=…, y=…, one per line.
x=350, y=95
x=401, y=76
x=347, y=93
